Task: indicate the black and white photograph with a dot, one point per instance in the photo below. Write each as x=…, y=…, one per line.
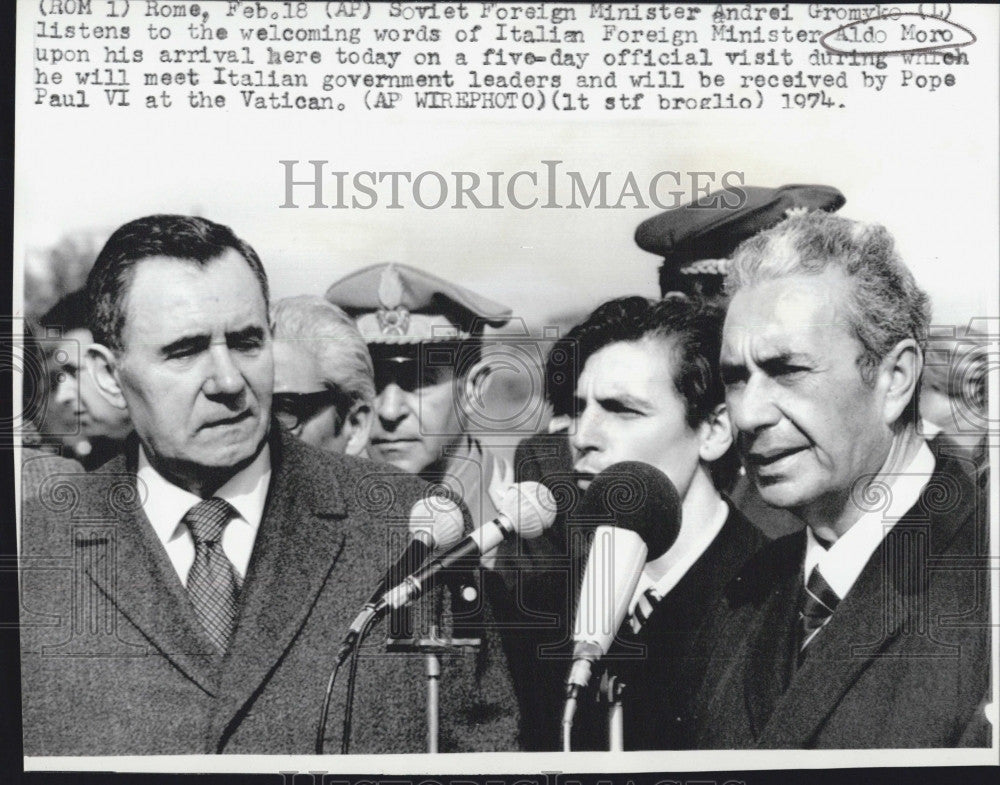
x=505, y=388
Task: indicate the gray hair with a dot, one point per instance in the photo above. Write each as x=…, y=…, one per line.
x=885, y=305
x=332, y=338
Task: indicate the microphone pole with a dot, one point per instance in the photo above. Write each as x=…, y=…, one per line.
x=520, y=505
x=616, y=714
x=434, y=521
x=527, y=510
x=646, y=511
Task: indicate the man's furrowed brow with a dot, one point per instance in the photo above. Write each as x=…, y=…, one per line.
x=618, y=401
x=732, y=371
x=254, y=332
x=185, y=345
x=782, y=359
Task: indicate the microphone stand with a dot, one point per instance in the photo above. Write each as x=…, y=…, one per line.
x=612, y=688
x=433, y=687
x=432, y=647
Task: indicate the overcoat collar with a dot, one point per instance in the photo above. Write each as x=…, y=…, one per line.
x=300, y=538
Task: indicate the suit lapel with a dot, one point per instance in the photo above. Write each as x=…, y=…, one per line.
x=130, y=568
x=773, y=638
x=890, y=591
x=862, y=625
x=299, y=541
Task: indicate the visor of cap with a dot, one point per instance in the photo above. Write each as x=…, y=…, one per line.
x=713, y=226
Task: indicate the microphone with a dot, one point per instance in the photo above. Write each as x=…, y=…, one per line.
x=646, y=511
x=435, y=522
x=527, y=509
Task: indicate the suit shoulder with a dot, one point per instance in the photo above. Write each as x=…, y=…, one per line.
x=66, y=498
x=772, y=563
x=956, y=507
x=352, y=478
x=542, y=454
x=380, y=473
x=744, y=533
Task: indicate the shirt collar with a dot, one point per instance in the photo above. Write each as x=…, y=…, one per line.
x=842, y=563
x=165, y=504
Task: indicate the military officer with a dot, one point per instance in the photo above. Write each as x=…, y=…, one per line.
x=425, y=335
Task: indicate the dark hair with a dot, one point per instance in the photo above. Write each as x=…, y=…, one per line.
x=175, y=236
x=691, y=331
x=70, y=313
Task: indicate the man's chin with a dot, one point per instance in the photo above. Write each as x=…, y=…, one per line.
x=404, y=456
x=780, y=493
x=234, y=457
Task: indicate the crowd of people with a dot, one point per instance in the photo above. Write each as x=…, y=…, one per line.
x=218, y=481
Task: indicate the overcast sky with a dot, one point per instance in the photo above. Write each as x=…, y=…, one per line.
x=927, y=170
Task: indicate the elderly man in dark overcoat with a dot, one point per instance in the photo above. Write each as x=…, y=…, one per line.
x=190, y=596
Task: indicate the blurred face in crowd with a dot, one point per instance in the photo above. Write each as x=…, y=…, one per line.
x=416, y=413
x=196, y=372
x=303, y=402
x=628, y=409
x=78, y=407
x=809, y=426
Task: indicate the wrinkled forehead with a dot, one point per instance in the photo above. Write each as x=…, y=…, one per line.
x=789, y=314
x=167, y=294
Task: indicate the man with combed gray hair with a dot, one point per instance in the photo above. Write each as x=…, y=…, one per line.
x=843, y=635
x=324, y=383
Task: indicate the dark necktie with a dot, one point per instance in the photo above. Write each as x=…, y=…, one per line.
x=819, y=602
x=643, y=609
x=212, y=582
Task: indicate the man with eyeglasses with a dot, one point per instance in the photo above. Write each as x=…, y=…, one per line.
x=324, y=385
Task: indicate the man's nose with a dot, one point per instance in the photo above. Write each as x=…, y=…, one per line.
x=391, y=404
x=67, y=391
x=588, y=434
x=225, y=377
x=753, y=407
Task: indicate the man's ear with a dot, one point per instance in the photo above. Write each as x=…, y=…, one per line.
x=358, y=427
x=474, y=387
x=102, y=365
x=899, y=376
x=716, y=435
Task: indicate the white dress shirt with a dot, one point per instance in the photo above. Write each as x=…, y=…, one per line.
x=842, y=563
x=166, y=504
x=673, y=565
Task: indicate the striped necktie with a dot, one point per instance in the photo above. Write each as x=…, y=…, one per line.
x=212, y=582
x=643, y=609
x=819, y=602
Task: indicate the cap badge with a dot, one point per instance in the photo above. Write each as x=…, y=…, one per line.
x=393, y=318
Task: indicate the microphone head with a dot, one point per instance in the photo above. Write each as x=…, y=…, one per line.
x=637, y=497
x=437, y=520
x=530, y=507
